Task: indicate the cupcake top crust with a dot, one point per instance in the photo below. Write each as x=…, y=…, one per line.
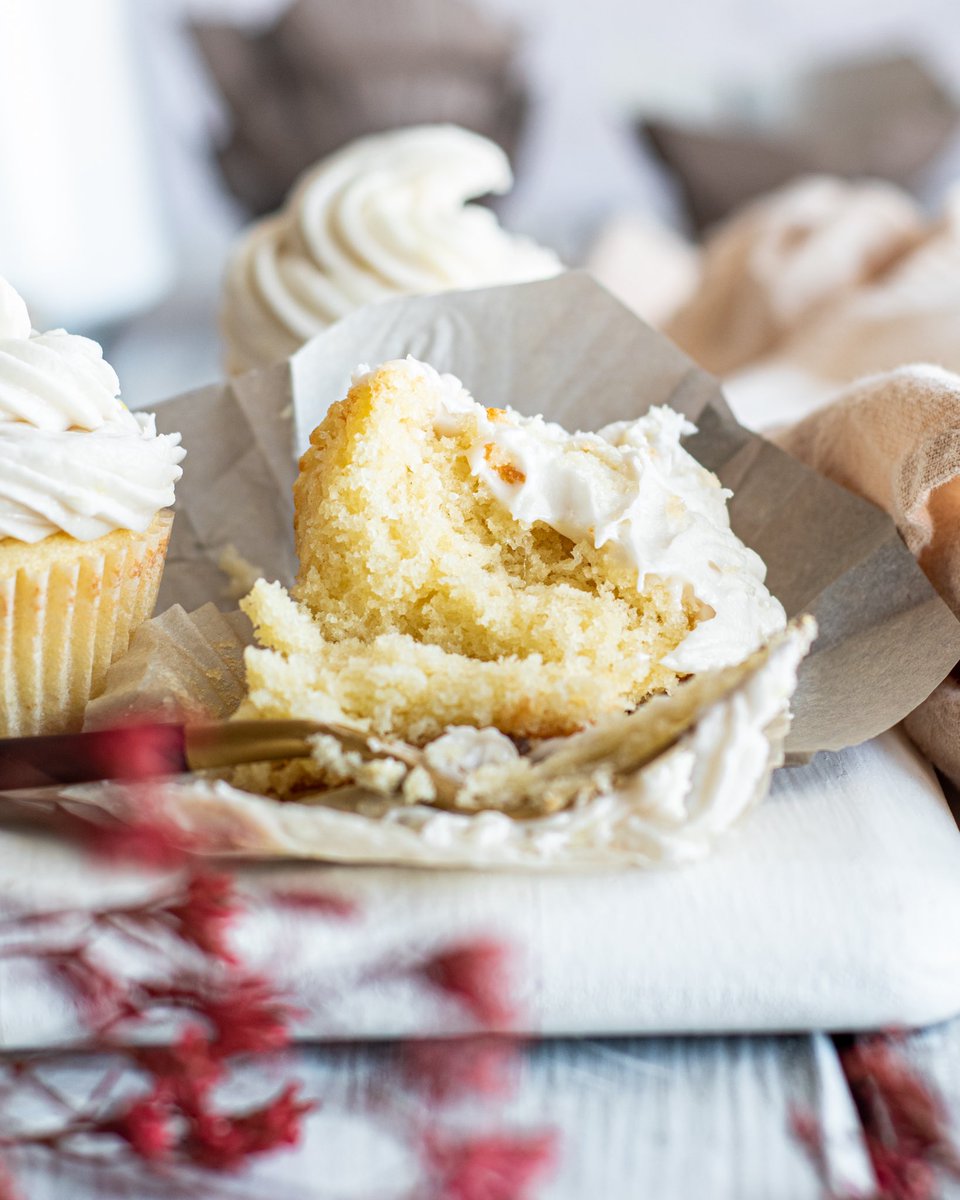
x=384, y=216
x=73, y=458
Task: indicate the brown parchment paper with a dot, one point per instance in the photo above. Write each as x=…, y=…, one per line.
x=886, y=117
x=565, y=347
x=327, y=72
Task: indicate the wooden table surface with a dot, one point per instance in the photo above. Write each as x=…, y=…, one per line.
x=674, y=1119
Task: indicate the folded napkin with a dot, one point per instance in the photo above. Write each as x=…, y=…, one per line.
x=833, y=907
x=907, y=311
x=895, y=440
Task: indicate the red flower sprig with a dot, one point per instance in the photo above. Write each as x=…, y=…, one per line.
x=494, y=1167
x=904, y=1121
x=145, y=1125
x=156, y=1104
x=475, y=974
x=225, y=1013
x=204, y=914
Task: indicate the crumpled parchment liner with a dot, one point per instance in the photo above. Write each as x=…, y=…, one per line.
x=672, y=810
x=180, y=667
x=565, y=347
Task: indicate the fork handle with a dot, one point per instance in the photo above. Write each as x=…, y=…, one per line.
x=136, y=752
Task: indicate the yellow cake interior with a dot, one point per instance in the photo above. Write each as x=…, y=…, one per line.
x=422, y=603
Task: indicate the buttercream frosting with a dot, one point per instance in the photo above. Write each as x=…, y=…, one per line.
x=385, y=216
x=73, y=458
x=633, y=488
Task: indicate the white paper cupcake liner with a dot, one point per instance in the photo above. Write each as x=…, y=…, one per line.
x=67, y=610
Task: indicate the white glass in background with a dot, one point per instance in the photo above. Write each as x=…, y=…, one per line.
x=82, y=234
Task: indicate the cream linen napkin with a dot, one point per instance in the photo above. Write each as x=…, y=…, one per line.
x=895, y=439
x=784, y=258
x=907, y=312
x=820, y=283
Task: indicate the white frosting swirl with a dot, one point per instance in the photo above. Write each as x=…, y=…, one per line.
x=385, y=216
x=633, y=488
x=73, y=458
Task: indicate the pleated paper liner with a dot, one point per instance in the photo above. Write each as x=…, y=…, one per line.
x=180, y=666
x=67, y=611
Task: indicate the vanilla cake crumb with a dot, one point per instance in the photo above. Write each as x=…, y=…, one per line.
x=461, y=565
x=241, y=573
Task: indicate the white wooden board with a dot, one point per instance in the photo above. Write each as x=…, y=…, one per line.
x=675, y=1119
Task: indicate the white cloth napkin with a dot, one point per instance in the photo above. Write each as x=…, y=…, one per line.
x=832, y=906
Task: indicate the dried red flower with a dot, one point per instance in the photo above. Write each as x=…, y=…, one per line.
x=188, y=1071
x=904, y=1121
x=101, y=996
x=144, y=750
x=145, y=834
x=150, y=840
x=806, y=1129
x=205, y=913
x=145, y=1125
x=247, y=1014
x=449, y=1069
x=888, y=1091
x=901, y=1176
x=224, y=1012
x=251, y=1019
x=475, y=973
x=224, y=1142
x=279, y=1123
x=323, y=903
x=497, y=1167
x=214, y=1142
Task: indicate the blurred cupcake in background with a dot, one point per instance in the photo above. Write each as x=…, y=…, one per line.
x=84, y=489
x=326, y=73
x=385, y=216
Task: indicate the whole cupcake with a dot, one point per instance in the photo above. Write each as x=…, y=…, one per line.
x=385, y=216
x=84, y=489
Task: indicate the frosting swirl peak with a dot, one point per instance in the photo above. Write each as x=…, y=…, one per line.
x=14, y=318
x=73, y=458
x=385, y=216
